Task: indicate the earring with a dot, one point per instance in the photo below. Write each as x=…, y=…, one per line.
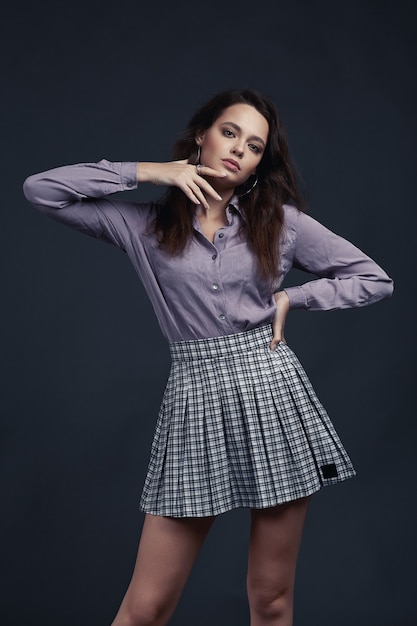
x=250, y=188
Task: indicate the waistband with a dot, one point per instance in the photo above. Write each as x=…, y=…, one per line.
x=221, y=347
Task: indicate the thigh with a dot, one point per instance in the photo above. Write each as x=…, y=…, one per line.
x=275, y=540
x=167, y=550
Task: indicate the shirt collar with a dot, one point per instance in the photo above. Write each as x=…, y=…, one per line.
x=233, y=203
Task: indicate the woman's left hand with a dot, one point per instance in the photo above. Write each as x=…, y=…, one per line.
x=283, y=306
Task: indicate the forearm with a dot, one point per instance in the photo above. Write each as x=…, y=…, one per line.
x=59, y=187
x=347, y=277
x=75, y=195
x=326, y=294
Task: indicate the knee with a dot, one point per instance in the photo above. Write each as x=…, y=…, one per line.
x=143, y=613
x=270, y=601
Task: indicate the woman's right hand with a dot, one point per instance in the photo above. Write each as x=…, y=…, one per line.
x=184, y=175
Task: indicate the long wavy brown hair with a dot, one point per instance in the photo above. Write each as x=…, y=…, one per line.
x=278, y=183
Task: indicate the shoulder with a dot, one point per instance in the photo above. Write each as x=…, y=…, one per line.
x=301, y=229
x=291, y=219
x=291, y=215
x=301, y=223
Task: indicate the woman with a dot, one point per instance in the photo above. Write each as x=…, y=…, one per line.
x=239, y=425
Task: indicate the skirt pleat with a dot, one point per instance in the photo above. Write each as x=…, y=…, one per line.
x=239, y=426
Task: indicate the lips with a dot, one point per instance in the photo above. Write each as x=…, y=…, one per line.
x=231, y=165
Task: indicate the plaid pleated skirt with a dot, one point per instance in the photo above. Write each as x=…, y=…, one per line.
x=239, y=426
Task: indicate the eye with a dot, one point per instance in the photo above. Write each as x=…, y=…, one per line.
x=228, y=133
x=254, y=148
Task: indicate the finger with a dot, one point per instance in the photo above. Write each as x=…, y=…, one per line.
x=204, y=170
x=192, y=191
x=200, y=192
x=195, y=197
x=274, y=343
x=195, y=200
x=206, y=187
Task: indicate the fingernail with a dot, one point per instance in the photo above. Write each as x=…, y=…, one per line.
x=219, y=197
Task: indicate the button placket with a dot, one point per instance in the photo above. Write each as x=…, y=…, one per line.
x=215, y=286
x=216, y=280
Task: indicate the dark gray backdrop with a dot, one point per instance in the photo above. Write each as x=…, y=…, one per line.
x=84, y=362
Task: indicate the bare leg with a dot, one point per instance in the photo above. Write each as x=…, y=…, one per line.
x=167, y=550
x=274, y=545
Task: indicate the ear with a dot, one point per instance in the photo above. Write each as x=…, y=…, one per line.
x=199, y=138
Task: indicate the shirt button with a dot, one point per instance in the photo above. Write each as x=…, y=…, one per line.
x=221, y=235
x=222, y=316
x=215, y=287
x=130, y=184
x=214, y=257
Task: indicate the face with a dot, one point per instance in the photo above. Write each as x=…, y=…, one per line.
x=235, y=143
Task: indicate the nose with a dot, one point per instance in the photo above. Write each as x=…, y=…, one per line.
x=238, y=149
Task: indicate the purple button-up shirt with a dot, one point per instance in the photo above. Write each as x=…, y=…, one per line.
x=211, y=289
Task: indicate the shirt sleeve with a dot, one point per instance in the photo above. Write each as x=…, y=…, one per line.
x=347, y=277
x=76, y=195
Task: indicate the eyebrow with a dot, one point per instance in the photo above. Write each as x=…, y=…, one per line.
x=236, y=127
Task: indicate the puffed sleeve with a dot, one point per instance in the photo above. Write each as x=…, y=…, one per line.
x=75, y=195
x=347, y=277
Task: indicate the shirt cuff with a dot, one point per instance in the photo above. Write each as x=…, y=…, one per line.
x=296, y=297
x=128, y=176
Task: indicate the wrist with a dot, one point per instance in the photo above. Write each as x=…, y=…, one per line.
x=144, y=171
x=281, y=297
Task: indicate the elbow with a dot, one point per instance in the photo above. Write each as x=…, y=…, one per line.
x=31, y=189
x=38, y=191
x=28, y=188
x=383, y=289
x=388, y=288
